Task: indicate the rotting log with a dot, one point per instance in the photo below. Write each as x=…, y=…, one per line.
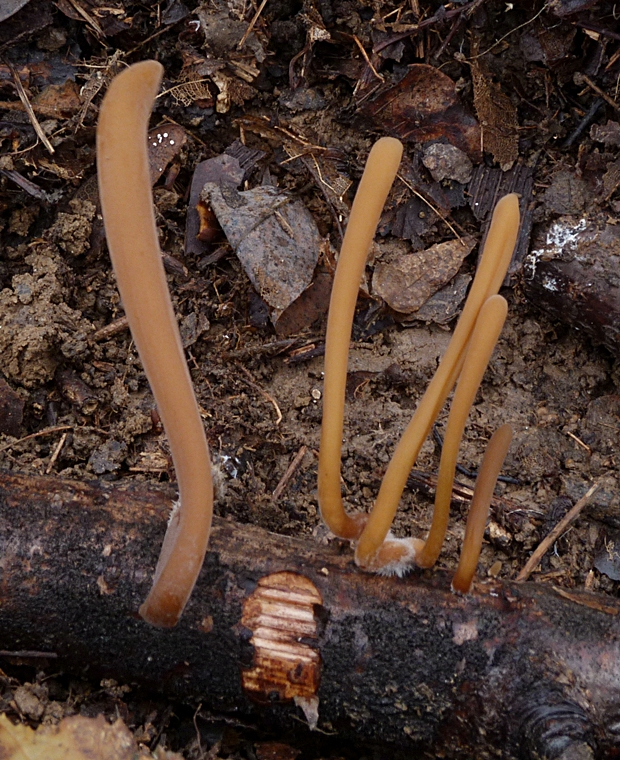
x=511, y=671
x=571, y=273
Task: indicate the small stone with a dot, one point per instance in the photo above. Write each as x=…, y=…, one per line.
x=446, y=161
x=27, y=702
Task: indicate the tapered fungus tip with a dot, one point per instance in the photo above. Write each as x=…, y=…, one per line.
x=387, y=147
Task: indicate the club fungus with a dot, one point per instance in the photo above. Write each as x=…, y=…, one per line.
x=374, y=187
x=479, y=509
x=129, y=218
x=373, y=551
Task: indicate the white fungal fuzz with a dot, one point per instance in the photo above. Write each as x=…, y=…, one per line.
x=176, y=506
x=405, y=563
x=395, y=556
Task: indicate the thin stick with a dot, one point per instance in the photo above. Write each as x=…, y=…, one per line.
x=430, y=205
x=251, y=25
x=110, y=330
x=29, y=110
x=380, y=77
x=583, y=79
x=262, y=392
x=479, y=511
x=56, y=453
x=39, y=434
x=290, y=471
x=550, y=539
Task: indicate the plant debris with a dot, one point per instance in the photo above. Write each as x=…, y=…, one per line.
x=407, y=281
x=75, y=738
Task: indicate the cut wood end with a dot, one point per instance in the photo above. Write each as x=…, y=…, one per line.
x=280, y=613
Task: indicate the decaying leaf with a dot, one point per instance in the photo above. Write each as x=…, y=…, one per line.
x=231, y=90
x=408, y=280
x=58, y=100
x=611, y=179
x=443, y=306
x=425, y=106
x=232, y=166
x=9, y=7
x=497, y=115
x=75, y=738
x=274, y=236
x=164, y=143
x=311, y=305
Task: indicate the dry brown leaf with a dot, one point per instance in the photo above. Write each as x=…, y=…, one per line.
x=497, y=116
x=407, y=281
x=58, y=100
x=425, y=106
x=75, y=738
x=274, y=236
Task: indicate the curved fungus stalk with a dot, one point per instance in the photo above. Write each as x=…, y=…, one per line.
x=491, y=271
x=484, y=337
x=129, y=218
x=373, y=552
x=479, y=510
x=377, y=179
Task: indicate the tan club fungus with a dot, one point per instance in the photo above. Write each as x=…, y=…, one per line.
x=479, y=509
x=127, y=206
x=373, y=551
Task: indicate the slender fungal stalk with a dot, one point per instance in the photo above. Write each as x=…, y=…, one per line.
x=491, y=271
x=479, y=510
x=486, y=332
x=126, y=201
x=379, y=174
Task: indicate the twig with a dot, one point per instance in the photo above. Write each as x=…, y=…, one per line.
x=26, y=185
x=40, y=433
x=251, y=25
x=578, y=441
x=583, y=79
x=262, y=391
x=29, y=110
x=512, y=31
x=292, y=468
x=598, y=29
x=437, y=18
x=550, y=539
x=585, y=122
x=107, y=332
x=430, y=205
x=89, y=19
x=367, y=59
x=56, y=453
x=49, y=431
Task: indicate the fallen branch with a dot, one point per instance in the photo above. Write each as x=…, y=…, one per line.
x=277, y=622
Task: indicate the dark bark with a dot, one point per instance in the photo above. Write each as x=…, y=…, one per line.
x=572, y=274
x=513, y=670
